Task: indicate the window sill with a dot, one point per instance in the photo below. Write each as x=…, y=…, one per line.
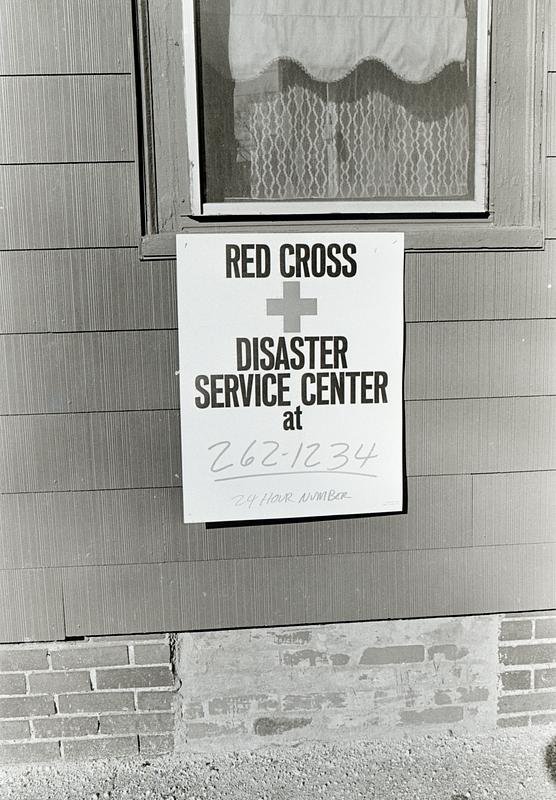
x=451, y=235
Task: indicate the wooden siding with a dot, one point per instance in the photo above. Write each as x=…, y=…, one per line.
x=278, y=591
x=467, y=286
x=132, y=449
x=103, y=290
x=40, y=37
x=54, y=118
x=57, y=452
x=133, y=370
x=31, y=605
x=513, y=508
x=63, y=372
x=145, y=525
x=68, y=205
x=90, y=504
x=85, y=290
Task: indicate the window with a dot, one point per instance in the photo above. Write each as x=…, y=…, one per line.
x=208, y=168
x=322, y=106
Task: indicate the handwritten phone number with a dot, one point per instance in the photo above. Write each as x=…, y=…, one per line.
x=305, y=457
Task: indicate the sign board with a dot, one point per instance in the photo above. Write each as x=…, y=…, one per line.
x=291, y=362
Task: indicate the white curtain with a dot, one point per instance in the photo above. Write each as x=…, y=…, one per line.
x=415, y=39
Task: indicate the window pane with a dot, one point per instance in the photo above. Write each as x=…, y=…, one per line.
x=383, y=129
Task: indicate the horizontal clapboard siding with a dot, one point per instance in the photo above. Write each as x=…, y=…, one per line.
x=89, y=372
x=89, y=451
x=96, y=290
x=145, y=525
x=60, y=36
x=69, y=205
x=492, y=285
x=138, y=526
x=141, y=449
x=85, y=290
x=308, y=589
x=489, y=435
x=480, y=359
x=515, y=508
x=31, y=605
x=67, y=118
x=128, y=370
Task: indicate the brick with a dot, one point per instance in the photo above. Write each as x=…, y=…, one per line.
x=132, y=677
x=512, y=722
x=61, y=727
x=20, y=659
x=199, y=730
x=440, y=698
x=513, y=681
x=543, y=719
x=193, y=710
x=305, y=658
x=528, y=654
x=242, y=704
x=24, y=752
x=136, y=723
x=155, y=701
x=156, y=745
x=448, y=652
x=95, y=702
x=516, y=629
x=313, y=702
x=393, y=655
x=152, y=653
x=273, y=726
x=29, y=706
x=59, y=682
x=432, y=716
x=79, y=656
x=12, y=683
x=545, y=628
x=14, y=729
x=540, y=701
x=545, y=678
x=295, y=636
x=96, y=747
x=472, y=694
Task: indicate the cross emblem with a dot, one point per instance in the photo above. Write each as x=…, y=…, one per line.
x=291, y=306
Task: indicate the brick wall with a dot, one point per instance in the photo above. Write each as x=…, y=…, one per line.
x=527, y=669
x=224, y=690
x=104, y=696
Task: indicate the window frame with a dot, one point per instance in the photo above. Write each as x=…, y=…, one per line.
x=317, y=207
x=514, y=218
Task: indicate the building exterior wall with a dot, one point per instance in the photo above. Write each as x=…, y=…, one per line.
x=97, y=698
x=91, y=539
x=226, y=691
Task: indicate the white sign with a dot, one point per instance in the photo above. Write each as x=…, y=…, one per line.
x=291, y=359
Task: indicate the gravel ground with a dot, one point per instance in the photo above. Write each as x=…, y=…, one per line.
x=501, y=766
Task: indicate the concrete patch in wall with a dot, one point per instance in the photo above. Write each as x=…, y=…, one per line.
x=246, y=689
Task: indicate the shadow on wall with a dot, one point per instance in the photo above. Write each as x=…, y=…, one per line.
x=550, y=759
